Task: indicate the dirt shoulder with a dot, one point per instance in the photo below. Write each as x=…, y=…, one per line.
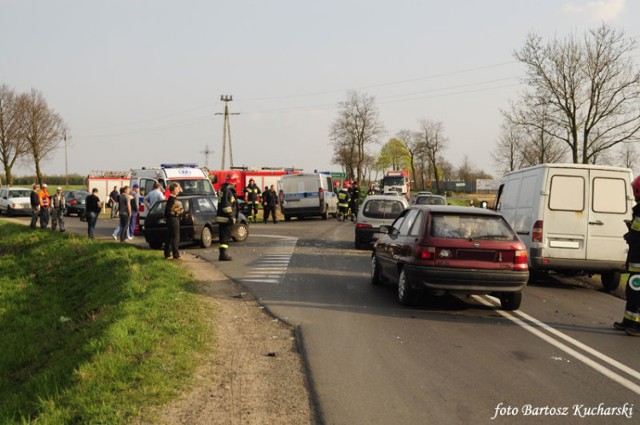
x=252, y=374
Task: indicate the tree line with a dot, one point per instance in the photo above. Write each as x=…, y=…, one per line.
x=29, y=130
x=580, y=104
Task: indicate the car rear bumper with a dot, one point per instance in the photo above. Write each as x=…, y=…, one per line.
x=467, y=280
x=538, y=262
x=302, y=211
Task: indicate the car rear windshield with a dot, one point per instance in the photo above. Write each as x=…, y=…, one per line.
x=159, y=207
x=382, y=208
x=430, y=200
x=465, y=226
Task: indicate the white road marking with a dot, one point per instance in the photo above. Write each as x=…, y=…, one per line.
x=272, y=267
x=558, y=344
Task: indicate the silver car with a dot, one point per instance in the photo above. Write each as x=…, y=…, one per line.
x=376, y=211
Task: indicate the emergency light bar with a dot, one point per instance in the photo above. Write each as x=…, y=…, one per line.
x=188, y=165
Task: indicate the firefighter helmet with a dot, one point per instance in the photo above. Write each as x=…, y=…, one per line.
x=635, y=185
x=346, y=184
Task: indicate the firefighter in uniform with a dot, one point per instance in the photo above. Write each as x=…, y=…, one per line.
x=631, y=321
x=252, y=196
x=354, y=195
x=343, y=201
x=227, y=214
x=372, y=190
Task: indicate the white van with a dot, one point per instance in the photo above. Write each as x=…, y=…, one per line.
x=15, y=200
x=307, y=195
x=570, y=217
x=192, y=179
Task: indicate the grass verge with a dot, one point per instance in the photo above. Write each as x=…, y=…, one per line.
x=91, y=332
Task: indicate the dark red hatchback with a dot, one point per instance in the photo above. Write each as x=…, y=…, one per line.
x=451, y=249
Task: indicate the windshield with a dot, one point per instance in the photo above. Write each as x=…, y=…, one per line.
x=476, y=227
x=194, y=187
x=430, y=200
x=19, y=194
x=393, y=181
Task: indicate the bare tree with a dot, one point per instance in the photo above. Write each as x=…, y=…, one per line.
x=357, y=126
x=413, y=147
x=12, y=142
x=508, y=155
x=591, y=88
x=628, y=156
x=43, y=128
x=434, y=142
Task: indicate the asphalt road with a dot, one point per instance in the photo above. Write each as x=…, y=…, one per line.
x=557, y=360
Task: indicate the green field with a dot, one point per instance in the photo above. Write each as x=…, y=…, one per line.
x=91, y=331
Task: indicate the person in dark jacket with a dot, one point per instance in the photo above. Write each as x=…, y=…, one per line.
x=270, y=201
x=35, y=205
x=354, y=200
x=252, y=197
x=93, y=206
x=631, y=320
x=172, y=212
x=227, y=214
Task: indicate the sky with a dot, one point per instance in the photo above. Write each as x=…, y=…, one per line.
x=138, y=82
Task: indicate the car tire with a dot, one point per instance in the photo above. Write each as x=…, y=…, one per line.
x=155, y=245
x=205, y=237
x=9, y=212
x=610, y=280
x=406, y=294
x=511, y=300
x=240, y=232
x=375, y=271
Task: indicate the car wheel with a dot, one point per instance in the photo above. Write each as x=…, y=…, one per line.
x=610, y=280
x=155, y=245
x=240, y=232
x=406, y=294
x=205, y=237
x=9, y=212
x=511, y=300
x=375, y=271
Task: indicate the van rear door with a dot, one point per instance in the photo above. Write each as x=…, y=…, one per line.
x=610, y=205
x=565, y=220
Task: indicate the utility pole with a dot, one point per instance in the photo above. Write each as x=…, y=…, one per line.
x=206, y=153
x=226, y=129
x=66, y=169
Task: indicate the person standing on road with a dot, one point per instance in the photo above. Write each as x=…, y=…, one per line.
x=124, y=210
x=343, y=202
x=227, y=214
x=135, y=206
x=113, y=199
x=172, y=212
x=631, y=319
x=58, y=206
x=252, y=197
x=93, y=207
x=354, y=196
x=372, y=190
x=35, y=205
x=45, y=203
x=270, y=198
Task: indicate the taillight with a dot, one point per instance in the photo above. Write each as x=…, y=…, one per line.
x=141, y=208
x=426, y=252
x=73, y=202
x=521, y=257
x=363, y=226
x=536, y=233
x=321, y=193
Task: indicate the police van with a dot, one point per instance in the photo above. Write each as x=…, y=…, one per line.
x=192, y=179
x=570, y=217
x=308, y=195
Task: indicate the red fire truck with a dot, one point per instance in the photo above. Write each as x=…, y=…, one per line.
x=263, y=176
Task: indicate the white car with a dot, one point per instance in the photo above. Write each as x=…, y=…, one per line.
x=376, y=211
x=15, y=200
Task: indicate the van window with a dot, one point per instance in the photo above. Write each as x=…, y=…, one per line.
x=567, y=193
x=609, y=195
